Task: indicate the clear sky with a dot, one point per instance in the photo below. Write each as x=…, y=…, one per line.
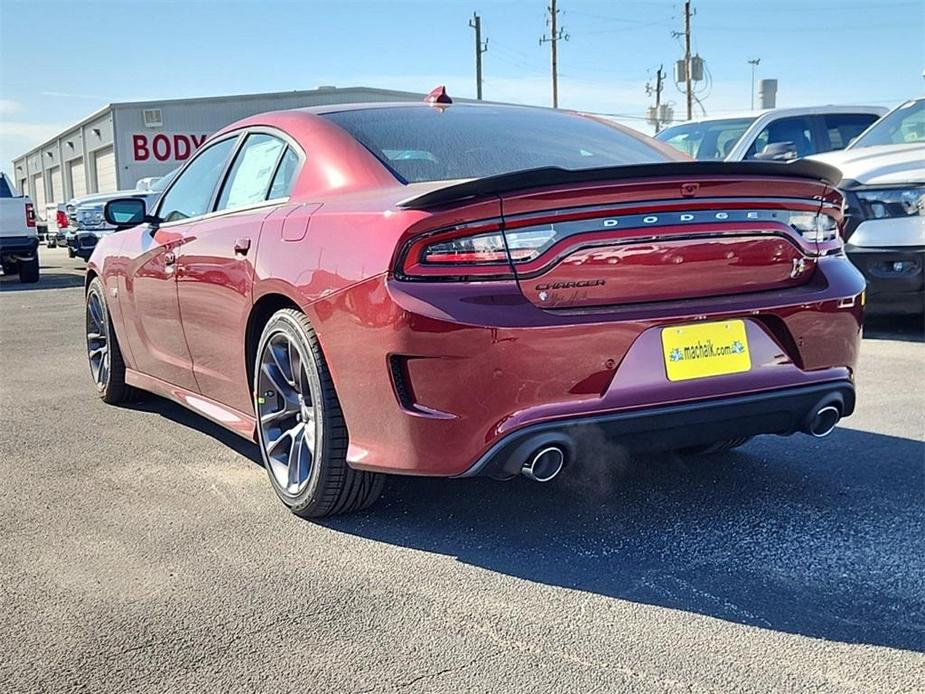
x=59, y=61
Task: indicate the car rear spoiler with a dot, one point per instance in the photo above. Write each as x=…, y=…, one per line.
x=554, y=176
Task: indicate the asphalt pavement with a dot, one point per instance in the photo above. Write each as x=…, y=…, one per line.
x=143, y=550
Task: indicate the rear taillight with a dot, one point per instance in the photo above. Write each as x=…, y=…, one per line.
x=465, y=250
x=61, y=219
x=814, y=227
x=30, y=214
x=456, y=254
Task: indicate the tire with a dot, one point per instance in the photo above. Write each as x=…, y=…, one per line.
x=716, y=447
x=29, y=271
x=109, y=372
x=71, y=253
x=330, y=486
x=51, y=243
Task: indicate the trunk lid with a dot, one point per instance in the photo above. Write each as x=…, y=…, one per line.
x=637, y=234
x=654, y=240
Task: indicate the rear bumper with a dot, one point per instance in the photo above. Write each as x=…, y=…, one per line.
x=786, y=411
x=432, y=375
x=19, y=245
x=895, y=277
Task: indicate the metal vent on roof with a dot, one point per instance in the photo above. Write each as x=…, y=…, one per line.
x=152, y=117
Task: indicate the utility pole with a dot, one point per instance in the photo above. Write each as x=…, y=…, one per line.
x=687, y=60
x=556, y=34
x=476, y=23
x=655, y=114
x=754, y=63
x=659, y=77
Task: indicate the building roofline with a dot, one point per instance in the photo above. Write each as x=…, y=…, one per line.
x=219, y=99
x=92, y=117
x=263, y=95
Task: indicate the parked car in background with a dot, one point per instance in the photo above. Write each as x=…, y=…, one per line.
x=473, y=289
x=19, y=240
x=87, y=222
x=56, y=223
x=779, y=134
x=884, y=187
x=146, y=182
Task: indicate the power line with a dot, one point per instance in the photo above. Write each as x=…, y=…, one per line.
x=515, y=58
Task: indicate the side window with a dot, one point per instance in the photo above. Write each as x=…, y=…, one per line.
x=192, y=191
x=285, y=175
x=726, y=139
x=798, y=131
x=249, y=179
x=689, y=142
x=844, y=127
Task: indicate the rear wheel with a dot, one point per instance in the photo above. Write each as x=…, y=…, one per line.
x=716, y=447
x=103, y=353
x=300, y=427
x=29, y=270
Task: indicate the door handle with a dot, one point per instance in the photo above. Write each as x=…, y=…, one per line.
x=242, y=246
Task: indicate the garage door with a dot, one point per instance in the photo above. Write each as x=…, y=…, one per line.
x=105, y=170
x=78, y=178
x=56, y=192
x=38, y=194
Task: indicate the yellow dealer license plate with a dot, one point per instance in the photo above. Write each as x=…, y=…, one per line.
x=705, y=349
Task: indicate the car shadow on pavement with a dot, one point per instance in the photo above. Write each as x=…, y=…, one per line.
x=180, y=415
x=823, y=539
x=47, y=280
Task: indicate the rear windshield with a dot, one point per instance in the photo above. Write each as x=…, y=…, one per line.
x=707, y=141
x=430, y=144
x=5, y=191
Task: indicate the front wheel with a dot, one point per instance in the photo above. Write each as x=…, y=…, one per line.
x=103, y=353
x=300, y=427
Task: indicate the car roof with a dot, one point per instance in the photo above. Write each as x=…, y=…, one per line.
x=375, y=105
x=790, y=111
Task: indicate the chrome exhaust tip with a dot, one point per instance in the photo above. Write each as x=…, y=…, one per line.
x=544, y=464
x=824, y=421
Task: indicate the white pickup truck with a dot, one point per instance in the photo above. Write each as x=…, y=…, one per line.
x=19, y=239
x=883, y=179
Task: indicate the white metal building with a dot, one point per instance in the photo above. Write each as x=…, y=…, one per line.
x=123, y=142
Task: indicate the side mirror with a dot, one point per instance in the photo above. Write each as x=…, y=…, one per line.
x=778, y=151
x=126, y=212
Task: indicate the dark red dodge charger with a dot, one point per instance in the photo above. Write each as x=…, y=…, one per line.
x=461, y=289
